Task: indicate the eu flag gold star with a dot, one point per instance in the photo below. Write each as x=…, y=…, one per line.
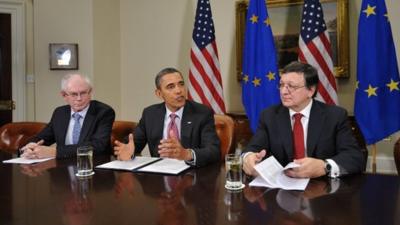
x=254, y=19
x=393, y=85
x=369, y=10
x=371, y=91
x=270, y=75
x=267, y=21
x=357, y=83
x=256, y=82
x=246, y=78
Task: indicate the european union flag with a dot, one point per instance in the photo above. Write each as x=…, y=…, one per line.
x=377, y=98
x=260, y=72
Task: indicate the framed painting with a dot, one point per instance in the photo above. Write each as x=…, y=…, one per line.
x=285, y=18
x=63, y=56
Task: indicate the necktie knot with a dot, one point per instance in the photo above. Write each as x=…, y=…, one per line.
x=298, y=116
x=173, y=116
x=76, y=117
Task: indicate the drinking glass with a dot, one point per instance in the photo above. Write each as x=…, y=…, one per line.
x=84, y=163
x=233, y=169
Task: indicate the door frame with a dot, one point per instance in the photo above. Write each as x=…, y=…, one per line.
x=17, y=10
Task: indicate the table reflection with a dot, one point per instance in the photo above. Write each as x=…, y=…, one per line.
x=78, y=206
x=50, y=193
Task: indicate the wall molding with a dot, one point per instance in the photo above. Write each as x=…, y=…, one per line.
x=17, y=11
x=384, y=165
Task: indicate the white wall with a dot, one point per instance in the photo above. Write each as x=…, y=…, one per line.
x=106, y=53
x=58, y=21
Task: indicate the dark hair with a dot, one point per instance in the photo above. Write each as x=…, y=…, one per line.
x=309, y=72
x=163, y=72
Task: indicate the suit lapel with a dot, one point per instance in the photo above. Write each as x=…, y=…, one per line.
x=285, y=130
x=64, y=124
x=159, y=121
x=89, y=120
x=186, y=125
x=315, y=125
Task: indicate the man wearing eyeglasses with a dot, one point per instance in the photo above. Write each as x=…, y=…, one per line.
x=314, y=135
x=81, y=122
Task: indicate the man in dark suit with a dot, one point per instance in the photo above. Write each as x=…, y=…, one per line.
x=177, y=128
x=328, y=145
x=83, y=121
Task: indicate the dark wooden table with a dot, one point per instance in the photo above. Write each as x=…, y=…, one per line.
x=49, y=193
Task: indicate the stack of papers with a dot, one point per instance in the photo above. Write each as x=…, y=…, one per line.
x=148, y=164
x=271, y=174
x=26, y=161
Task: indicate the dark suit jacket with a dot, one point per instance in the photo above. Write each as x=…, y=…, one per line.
x=96, y=129
x=329, y=136
x=197, y=131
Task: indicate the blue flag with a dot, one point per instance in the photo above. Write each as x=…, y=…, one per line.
x=260, y=77
x=377, y=97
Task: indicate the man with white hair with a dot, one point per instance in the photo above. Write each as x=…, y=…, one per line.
x=81, y=122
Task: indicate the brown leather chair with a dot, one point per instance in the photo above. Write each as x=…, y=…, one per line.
x=359, y=137
x=396, y=155
x=15, y=135
x=121, y=129
x=224, y=126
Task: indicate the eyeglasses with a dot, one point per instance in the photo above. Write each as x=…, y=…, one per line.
x=291, y=88
x=82, y=94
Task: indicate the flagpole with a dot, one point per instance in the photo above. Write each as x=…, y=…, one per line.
x=373, y=158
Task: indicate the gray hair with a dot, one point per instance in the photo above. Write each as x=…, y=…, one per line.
x=163, y=72
x=67, y=77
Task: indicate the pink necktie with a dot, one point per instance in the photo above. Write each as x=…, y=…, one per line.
x=172, y=127
x=298, y=137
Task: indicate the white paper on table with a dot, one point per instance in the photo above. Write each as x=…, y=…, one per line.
x=271, y=174
x=137, y=162
x=22, y=160
x=167, y=166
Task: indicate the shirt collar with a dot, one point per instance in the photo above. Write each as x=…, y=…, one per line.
x=305, y=112
x=82, y=112
x=178, y=113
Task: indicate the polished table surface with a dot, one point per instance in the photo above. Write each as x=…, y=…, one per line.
x=49, y=193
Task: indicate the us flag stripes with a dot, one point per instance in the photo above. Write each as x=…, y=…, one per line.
x=315, y=49
x=205, y=85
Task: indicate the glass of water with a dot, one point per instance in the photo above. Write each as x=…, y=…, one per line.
x=233, y=169
x=84, y=161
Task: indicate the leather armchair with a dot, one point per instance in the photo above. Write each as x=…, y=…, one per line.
x=224, y=127
x=359, y=138
x=15, y=135
x=121, y=130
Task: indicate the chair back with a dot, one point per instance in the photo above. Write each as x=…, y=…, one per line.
x=16, y=135
x=359, y=138
x=224, y=127
x=121, y=129
x=396, y=155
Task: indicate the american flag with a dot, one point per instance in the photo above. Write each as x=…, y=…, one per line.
x=315, y=49
x=205, y=85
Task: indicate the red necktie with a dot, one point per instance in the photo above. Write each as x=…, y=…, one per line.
x=298, y=137
x=172, y=126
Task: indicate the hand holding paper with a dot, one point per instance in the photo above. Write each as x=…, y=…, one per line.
x=271, y=174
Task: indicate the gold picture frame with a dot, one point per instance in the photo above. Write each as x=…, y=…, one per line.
x=335, y=10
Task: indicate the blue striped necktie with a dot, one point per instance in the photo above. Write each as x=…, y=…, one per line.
x=77, y=128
